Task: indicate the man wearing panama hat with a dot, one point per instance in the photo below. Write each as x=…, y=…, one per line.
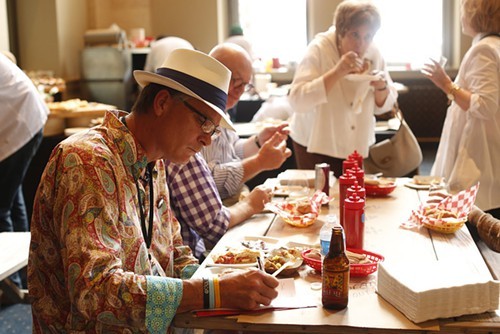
x=106, y=253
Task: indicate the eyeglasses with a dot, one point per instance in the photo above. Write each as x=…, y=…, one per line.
x=238, y=83
x=207, y=126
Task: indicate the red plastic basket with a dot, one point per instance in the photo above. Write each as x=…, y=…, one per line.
x=364, y=269
x=379, y=191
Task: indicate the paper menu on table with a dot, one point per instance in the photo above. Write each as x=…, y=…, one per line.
x=287, y=299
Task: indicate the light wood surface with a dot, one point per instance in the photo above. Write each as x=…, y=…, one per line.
x=14, y=250
x=367, y=311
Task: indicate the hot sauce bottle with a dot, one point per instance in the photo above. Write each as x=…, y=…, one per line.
x=335, y=273
x=357, y=157
x=345, y=181
x=354, y=221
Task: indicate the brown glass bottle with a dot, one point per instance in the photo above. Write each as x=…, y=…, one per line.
x=335, y=273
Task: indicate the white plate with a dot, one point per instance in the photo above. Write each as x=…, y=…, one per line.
x=363, y=77
x=413, y=185
x=215, y=271
x=427, y=179
x=269, y=243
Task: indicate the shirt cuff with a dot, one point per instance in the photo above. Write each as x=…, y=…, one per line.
x=163, y=298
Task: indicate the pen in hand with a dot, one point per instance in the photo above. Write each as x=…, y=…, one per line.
x=260, y=263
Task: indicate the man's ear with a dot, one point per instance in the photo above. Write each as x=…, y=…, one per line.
x=162, y=101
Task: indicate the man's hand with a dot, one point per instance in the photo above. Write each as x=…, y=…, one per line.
x=274, y=152
x=258, y=197
x=269, y=131
x=248, y=290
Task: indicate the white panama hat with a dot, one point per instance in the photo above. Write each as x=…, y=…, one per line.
x=196, y=74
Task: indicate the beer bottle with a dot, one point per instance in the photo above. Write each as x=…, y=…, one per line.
x=335, y=273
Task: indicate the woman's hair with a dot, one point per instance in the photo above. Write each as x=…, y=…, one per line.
x=352, y=14
x=482, y=15
x=147, y=96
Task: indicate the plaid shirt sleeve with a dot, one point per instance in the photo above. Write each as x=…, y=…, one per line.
x=196, y=201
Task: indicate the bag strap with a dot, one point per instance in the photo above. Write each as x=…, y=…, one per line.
x=398, y=113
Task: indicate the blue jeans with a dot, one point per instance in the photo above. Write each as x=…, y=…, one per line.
x=13, y=216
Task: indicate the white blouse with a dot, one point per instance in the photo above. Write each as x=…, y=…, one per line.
x=469, y=150
x=22, y=113
x=337, y=122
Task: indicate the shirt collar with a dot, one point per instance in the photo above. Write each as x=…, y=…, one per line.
x=132, y=153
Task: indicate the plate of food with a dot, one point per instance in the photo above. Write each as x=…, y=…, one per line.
x=440, y=219
x=361, y=262
x=301, y=212
x=379, y=186
x=234, y=258
x=279, y=257
x=425, y=182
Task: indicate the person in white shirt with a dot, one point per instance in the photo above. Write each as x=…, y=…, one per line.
x=22, y=118
x=161, y=48
x=469, y=149
x=333, y=108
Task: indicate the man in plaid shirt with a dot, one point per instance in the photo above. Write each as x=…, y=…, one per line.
x=195, y=196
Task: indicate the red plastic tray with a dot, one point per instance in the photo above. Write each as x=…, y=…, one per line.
x=364, y=269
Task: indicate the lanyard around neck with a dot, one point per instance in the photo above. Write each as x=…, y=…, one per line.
x=147, y=233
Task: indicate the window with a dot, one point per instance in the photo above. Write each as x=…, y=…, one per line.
x=411, y=31
x=275, y=28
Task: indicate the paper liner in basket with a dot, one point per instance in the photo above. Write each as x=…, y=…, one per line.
x=290, y=211
x=460, y=204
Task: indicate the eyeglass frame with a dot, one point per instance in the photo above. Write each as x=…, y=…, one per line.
x=207, y=126
x=248, y=86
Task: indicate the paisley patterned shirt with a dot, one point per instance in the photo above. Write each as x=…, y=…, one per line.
x=89, y=267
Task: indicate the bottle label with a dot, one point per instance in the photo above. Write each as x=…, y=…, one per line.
x=335, y=285
x=325, y=247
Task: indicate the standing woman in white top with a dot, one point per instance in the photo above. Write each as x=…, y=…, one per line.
x=333, y=110
x=23, y=114
x=469, y=150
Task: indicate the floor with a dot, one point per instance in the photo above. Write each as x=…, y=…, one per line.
x=16, y=319
x=429, y=153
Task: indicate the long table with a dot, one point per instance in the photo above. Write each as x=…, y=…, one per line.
x=367, y=311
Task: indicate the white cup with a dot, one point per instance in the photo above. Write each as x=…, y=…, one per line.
x=261, y=81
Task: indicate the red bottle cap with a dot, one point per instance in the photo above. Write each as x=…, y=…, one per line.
x=348, y=164
x=357, y=157
x=347, y=178
x=359, y=174
x=356, y=189
x=354, y=203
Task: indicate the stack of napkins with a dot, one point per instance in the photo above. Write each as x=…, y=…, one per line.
x=425, y=291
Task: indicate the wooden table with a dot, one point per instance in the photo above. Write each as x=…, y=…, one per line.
x=14, y=250
x=367, y=311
